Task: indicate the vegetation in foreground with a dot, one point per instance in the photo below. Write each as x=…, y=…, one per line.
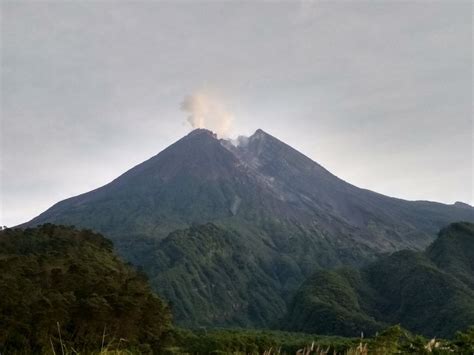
x=63, y=291
x=64, y=287
x=393, y=340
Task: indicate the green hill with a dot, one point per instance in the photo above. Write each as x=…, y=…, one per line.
x=453, y=251
x=215, y=276
x=57, y=282
x=212, y=275
x=427, y=292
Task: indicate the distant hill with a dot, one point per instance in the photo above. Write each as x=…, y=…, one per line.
x=213, y=278
x=60, y=282
x=287, y=211
x=429, y=292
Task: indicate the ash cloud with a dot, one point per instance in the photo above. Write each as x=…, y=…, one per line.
x=208, y=111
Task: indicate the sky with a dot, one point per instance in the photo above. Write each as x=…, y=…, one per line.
x=379, y=93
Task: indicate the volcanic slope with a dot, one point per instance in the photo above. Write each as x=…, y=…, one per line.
x=286, y=210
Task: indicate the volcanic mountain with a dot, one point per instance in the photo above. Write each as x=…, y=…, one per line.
x=209, y=220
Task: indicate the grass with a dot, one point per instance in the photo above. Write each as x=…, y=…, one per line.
x=394, y=340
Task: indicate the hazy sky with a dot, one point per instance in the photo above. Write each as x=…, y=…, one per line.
x=377, y=92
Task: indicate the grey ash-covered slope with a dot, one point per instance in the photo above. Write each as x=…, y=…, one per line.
x=201, y=178
x=288, y=211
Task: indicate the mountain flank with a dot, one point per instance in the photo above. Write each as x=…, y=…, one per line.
x=276, y=207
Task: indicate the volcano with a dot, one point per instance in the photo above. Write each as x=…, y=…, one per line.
x=227, y=233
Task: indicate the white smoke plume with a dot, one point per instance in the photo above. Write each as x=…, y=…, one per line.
x=207, y=111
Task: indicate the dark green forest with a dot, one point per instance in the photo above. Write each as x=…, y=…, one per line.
x=429, y=292
x=64, y=291
x=60, y=285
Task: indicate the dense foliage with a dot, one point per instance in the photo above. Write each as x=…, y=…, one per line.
x=64, y=291
x=64, y=287
x=430, y=292
x=216, y=276
x=204, y=263
x=248, y=341
x=392, y=340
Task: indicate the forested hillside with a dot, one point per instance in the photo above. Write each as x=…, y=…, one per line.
x=429, y=292
x=59, y=286
x=64, y=291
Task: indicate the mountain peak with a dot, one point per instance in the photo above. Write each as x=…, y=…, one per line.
x=259, y=134
x=202, y=131
x=462, y=204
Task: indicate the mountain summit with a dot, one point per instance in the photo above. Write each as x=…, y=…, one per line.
x=288, y=215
